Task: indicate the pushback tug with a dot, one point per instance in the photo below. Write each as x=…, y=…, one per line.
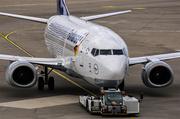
x=111, y=102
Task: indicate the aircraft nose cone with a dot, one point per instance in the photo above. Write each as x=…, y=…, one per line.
x=115, y=67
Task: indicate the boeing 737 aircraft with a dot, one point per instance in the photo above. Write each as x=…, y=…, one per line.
x=85, y=50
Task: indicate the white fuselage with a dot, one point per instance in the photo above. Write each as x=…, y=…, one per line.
x=96, y=53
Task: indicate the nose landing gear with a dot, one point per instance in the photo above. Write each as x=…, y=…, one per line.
x=48, y=81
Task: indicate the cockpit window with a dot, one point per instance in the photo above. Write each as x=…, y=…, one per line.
x=93, y=51
x=97, y=52
x=117, y=52
x=105, y=52
x=125, y=52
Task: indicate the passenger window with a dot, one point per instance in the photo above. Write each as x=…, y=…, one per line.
x=105, y=52
x=93, y=51
x=117, y=52
x=97, y=52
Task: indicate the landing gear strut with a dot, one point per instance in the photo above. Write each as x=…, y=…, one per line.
x=49, y=82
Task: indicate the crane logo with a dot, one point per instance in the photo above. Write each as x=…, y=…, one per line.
x=96, y=69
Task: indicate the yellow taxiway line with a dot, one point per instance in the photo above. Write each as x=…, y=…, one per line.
x=6, y=37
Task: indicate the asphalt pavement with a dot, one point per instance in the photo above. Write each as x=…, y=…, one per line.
x=153, y=27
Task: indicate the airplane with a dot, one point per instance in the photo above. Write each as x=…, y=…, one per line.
x=85, y=50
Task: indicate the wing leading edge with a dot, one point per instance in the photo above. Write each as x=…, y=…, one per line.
x=56, y=63
x=145, y=59
x=42, y=20
x=104, y=15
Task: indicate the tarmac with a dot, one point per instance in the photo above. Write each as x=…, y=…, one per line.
x=153, y=27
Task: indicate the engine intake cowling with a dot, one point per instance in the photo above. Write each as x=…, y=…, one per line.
x=157, y=74
x=21, y=74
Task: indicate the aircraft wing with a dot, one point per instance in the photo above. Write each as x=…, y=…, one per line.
x=104, y=15
x=57, y=63
x=145, y=59
x=42, y=20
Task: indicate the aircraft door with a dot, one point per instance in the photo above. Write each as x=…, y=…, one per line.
x=83, y=52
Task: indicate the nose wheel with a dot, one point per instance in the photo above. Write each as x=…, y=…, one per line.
x=51, y=83
x=48, y=81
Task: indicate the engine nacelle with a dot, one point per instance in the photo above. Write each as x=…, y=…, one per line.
x=21, y=74
x=157, y=74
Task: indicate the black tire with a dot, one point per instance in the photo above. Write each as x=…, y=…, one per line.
x=121, y=86
x=40, y=83
x=51, y=83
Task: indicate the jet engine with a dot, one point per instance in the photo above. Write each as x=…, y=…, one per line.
x=157, y=74
x=21, y=74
